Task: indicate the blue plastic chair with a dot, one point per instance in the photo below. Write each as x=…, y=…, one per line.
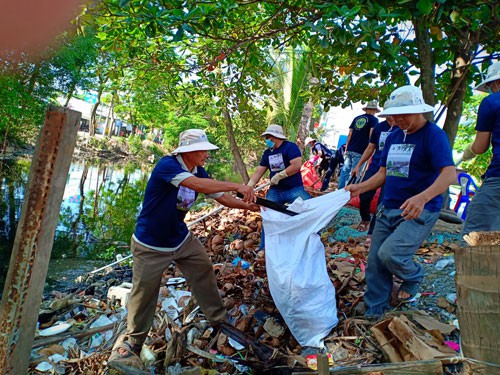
x=464, y=197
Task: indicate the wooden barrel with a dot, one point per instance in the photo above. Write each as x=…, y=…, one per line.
x=478, y=301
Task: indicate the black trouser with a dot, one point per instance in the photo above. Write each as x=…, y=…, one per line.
x=365, y=199
x=333, y=162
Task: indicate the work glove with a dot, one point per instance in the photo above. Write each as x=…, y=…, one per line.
x=468, y=153
x=278, y=177
x=251, y=183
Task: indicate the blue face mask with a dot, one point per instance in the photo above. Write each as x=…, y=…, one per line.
x=490, y=90
x=269, y=143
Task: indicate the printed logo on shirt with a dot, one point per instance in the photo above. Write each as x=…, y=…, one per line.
x=381, y=140
x=276, y=163
x=360, y=122
x=398, y=160
x=185, y=198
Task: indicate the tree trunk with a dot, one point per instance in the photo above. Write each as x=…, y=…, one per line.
x=107, y=124
x=70, y=93
x=93, y=114
x=305, y=120
x=33, y=79
x=458, y=90
x=238, y=159
x=427, y=62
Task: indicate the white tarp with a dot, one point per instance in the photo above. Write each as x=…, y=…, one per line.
x=296, y=266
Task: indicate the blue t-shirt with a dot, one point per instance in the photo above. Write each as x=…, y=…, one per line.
x=161, y=221
x=488, y=120
x=327, y=153
x=278, y=159
x=414, y=163
x=360, y=136
x=378, y=137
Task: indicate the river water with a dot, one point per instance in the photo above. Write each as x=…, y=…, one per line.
x=92, y=228
x=65, y=265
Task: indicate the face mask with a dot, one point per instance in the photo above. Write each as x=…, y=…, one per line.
x=269, y=143
x=490, y=90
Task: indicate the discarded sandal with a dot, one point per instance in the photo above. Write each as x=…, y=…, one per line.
x=128, y=356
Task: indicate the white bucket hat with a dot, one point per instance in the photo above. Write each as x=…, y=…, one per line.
x=193, y=140
x=275, y=131
x=308, y=140
x=371, y=105
x=406, y=100
x=492, y=75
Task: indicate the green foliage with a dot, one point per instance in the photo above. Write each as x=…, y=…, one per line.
x=21, y=113
x=466, y=134
x=75, y=63
x=135, y=144
x=114, y=217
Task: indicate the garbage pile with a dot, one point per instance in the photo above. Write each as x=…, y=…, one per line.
x=78, y=326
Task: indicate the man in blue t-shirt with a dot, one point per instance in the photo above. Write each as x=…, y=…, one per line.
x=283, y=159
x=358, y=138
x=417, y=168
x=483, y=213
x=161, y=237
x=372, y=153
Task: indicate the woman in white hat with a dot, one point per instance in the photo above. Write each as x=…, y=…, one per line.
x=161, y=236
x=417, y=168
x=283, y=159
x=483, y=213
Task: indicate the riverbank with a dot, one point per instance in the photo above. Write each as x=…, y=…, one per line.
x=116, y=149
x=101, y=148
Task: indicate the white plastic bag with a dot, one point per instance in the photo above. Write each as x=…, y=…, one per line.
x=296, y=266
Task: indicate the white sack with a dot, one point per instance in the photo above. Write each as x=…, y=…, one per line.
x=296, y=266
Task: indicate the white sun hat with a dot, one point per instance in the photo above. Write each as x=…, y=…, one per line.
x=275, y=131
x=193, y=140
x=371, y=105
x=308, y=140
x=492, y=75
x=406, y=100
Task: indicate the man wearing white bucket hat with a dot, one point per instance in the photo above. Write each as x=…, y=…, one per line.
x=161, y=236
x=360, y=131
x=417, y=168
x=283, y=159
x=483, y=213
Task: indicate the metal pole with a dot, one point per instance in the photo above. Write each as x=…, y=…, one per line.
x=29, y=262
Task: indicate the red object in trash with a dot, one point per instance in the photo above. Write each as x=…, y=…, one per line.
x=373, y=205
x=309, y=175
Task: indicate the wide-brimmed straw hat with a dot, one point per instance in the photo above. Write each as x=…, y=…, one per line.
x=193, y=140
x=406, y=100
x=371, y=105
x=492, y=75
x=275, y=131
